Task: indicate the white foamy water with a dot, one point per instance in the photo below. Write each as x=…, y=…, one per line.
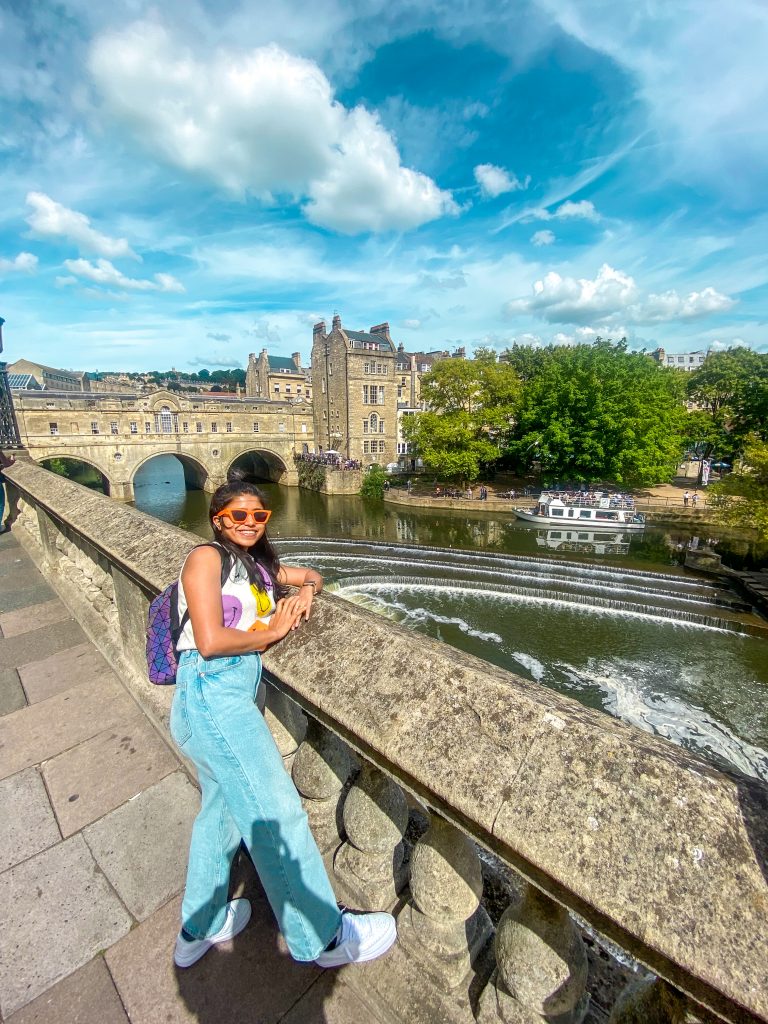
x=533, y=666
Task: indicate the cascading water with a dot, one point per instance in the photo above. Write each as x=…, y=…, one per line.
x=672, y=654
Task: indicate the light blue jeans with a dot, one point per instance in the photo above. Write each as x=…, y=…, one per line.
x=246, y=794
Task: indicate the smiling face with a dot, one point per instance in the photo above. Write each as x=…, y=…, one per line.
x=246, y=534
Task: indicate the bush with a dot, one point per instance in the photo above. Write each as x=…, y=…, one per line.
x=373, y=483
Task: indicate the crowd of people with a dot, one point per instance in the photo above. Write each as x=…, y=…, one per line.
x=592, y=499
x=331, y=459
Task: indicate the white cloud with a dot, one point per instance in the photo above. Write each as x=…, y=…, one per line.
x=540, y=238
x=261, y=123
x=495, y=181
x=583, y=210
x=104, y=273
x=672, y=306
x=570, y=300
x=412, y=325
x=25, y=262
x=49, y=219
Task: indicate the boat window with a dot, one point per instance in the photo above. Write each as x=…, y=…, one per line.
x=583, y=536
x=585, y=513
x=555, y=534
x=556, y=511
x=571, y=513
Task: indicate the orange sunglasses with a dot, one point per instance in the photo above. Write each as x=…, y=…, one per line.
x=242, y=515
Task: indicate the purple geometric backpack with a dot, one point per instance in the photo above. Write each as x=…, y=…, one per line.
x=164, y=628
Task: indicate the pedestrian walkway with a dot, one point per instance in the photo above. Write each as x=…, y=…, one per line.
x=95, y=817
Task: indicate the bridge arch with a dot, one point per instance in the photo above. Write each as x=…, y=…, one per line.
x=70, y=463
x=258, y=464
x=196, y=474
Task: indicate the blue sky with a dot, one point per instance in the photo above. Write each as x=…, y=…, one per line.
x=189, y=182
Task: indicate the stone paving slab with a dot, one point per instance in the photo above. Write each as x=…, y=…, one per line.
x=330, y=1001
x=98, y=775
x=58, y=911
x=34, y=592
x=40, y=643
x=43, y=730
x=86, y=997
x=27, y=822
x=250, y=980
x=36, y=616
x=72, y=667
x=142, y=846
x=11, y=691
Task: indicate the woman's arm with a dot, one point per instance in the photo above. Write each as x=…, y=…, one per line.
x=308, y=582
x=202, y=588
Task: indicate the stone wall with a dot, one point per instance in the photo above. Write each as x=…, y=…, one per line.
x=658, y=851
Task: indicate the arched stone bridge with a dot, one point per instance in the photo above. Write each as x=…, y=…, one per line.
x=118, y=434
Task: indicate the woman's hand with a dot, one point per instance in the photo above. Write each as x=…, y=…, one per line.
x=305, y=597
x=286, y=616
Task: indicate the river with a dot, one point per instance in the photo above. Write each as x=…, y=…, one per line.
x=618, y=625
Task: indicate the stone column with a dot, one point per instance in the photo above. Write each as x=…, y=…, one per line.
x=369, y=865
x=321, y=767
x=444, y=927
x=652, y=1001
x=541, y=972
x=287, y=723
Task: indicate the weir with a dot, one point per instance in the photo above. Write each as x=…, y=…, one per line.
x=655, y=849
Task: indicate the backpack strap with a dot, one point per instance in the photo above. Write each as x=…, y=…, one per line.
x=177, y=627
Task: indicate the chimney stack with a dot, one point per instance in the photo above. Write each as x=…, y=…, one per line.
x=381, y=329
x=296, y=357
x=336, y=323
x=319, y=328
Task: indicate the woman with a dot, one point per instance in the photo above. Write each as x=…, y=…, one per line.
x=6, y=461
x=246, y=792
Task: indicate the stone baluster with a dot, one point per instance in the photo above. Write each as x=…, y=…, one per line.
x=652, y=1001
x=541, y=966
x=369, y=865
x=444, y=927
x=287, y=723
x=321, y=767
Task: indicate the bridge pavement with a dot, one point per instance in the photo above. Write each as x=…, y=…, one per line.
x=95, y=815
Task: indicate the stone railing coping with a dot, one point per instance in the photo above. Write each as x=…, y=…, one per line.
x=660, y=852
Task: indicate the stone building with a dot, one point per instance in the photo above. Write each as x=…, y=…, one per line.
x=355, y=392
x=51, y=378
x=277, y=378
x=688, y=361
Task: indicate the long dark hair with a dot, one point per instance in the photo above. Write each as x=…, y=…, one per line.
x=262, y=551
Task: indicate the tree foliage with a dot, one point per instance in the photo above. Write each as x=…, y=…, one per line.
x=743, y=494
x=732, y=388
x=373, y=482
x=598, y=412
x=472, y=404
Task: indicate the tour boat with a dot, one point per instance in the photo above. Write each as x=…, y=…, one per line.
x=593, y=514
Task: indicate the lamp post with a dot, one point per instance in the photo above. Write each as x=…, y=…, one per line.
x=9, y=428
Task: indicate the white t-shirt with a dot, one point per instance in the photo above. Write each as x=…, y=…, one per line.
x=245, y=605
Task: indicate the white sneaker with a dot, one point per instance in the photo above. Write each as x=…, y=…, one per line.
x=189, y=951
x=362, y=937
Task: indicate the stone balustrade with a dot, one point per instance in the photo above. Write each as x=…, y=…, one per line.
x=658, y=852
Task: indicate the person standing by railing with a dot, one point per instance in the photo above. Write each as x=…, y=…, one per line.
x=6, y=461
x=232, y=606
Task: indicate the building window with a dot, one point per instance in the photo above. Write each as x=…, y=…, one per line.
x=165, y=421
x=134, y=426
x=303, y=428
x=287, y=389
x=298, y=389
x=365, y=426
x=113, y=427
x=374, y=421
x=366, y=367
x=381, y=394
x=366, y=447
x=214, y=428
x=381, y=426
x=255, y=426
x=199, y=427
x=277, y=388
x=185, y=426
x=94, y=427
x=229, y=426
x=365, y=394
x=381, y=446
x=281, y=427
x=54, y=428
x=322, y=386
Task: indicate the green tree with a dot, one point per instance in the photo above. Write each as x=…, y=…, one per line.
x=373, y=482
x=598, y=412
x=471, y=409
x=743, y=494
